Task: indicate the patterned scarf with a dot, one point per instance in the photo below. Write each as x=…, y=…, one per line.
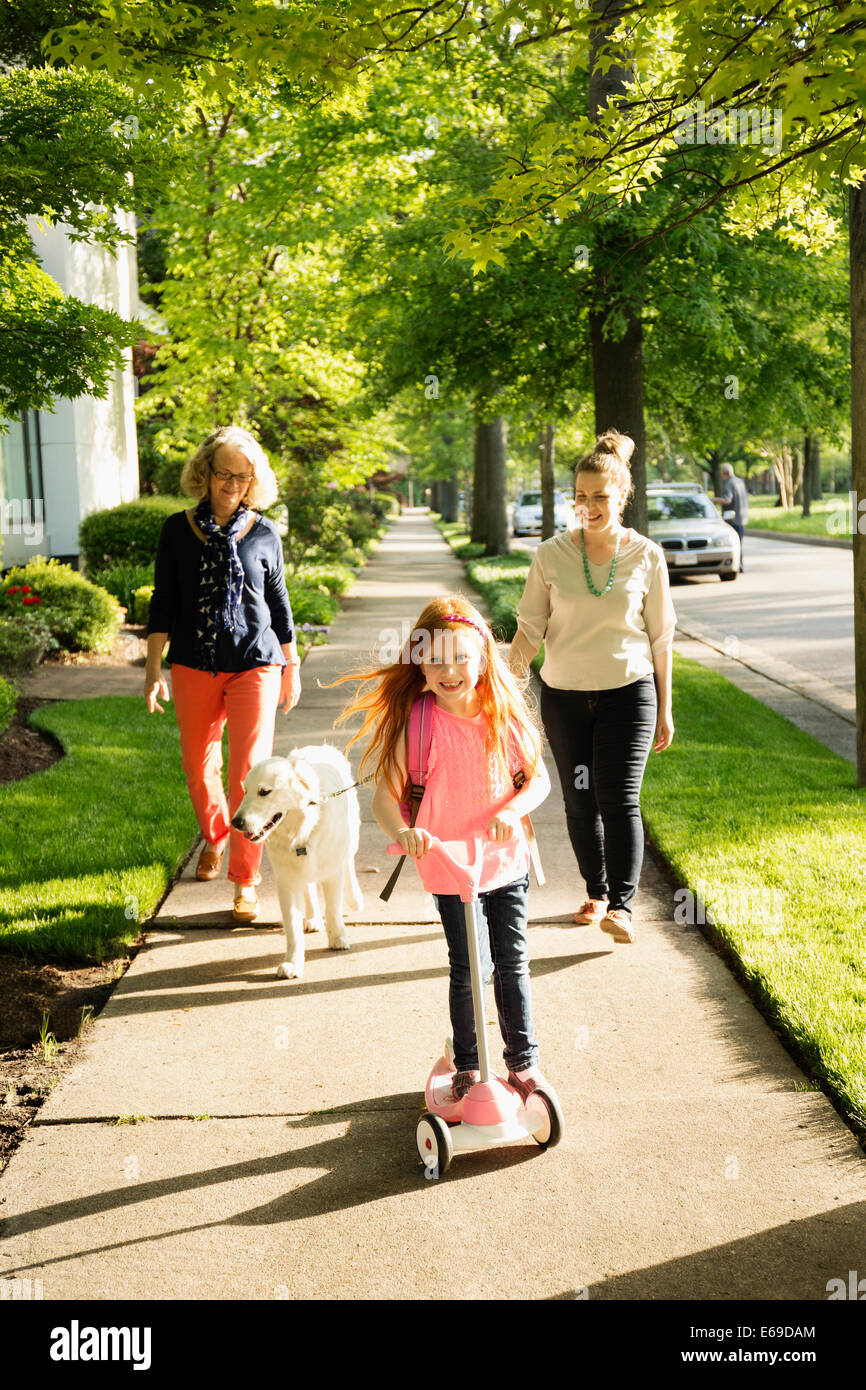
x=222, y=578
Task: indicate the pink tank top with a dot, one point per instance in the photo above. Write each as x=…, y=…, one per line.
x=462, y=795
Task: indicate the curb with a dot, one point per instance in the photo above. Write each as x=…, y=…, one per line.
x=799, y=538
x=803, y=683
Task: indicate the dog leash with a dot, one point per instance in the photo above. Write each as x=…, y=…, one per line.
x=343, y=790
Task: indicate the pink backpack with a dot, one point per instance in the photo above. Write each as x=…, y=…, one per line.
x=419, y=736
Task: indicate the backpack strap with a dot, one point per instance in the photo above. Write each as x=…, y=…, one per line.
x=518, y=781
x=419, y=737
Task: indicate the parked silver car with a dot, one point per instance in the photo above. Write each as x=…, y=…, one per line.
x=685, y=523
x=527, y=514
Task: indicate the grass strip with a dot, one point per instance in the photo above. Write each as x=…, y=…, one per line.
x=500, y=579
x=766, y=828
x=90, y=845
x=831, y=516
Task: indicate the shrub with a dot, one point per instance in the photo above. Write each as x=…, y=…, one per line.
x=8, y=704
x=23, y=644
x=25, y=636
x=386, y=505
x=336, y=578
x=79, y=615
x=123, y=580
x=311, y=604
x=141, y=604
x=128, y=533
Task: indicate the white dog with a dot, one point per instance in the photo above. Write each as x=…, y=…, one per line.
x=312, y=838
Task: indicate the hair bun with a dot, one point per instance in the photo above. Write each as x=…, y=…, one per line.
x=612, y=442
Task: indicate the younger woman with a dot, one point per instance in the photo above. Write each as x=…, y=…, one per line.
x=482, y=735
x=599, y=598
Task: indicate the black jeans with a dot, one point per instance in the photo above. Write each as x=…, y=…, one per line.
x=601, y=740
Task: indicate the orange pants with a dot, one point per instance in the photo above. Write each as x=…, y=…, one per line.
x=204, y=704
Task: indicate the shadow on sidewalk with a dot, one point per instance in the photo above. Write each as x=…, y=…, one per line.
x=794, y=1261
x=141, y=993
x=367, y=1163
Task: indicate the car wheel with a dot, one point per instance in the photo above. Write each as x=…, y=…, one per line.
x=729, y=578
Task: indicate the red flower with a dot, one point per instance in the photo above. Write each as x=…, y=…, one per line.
x=25, y=589
x=33, y=598
x=14, y=590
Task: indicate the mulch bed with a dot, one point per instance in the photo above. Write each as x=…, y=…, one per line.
x=24, y=750
x=28, y=991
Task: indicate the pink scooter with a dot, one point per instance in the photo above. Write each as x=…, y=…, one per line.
x=492, y=1113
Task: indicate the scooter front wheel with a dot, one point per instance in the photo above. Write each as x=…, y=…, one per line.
x=433, y=1138
x=544, y=1106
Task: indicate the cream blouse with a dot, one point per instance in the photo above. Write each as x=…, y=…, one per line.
x=594, y=643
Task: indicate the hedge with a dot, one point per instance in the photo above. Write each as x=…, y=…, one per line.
x=128, y=533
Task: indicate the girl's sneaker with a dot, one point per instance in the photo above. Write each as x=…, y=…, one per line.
x=528, y=1080
x=619, y=925
x=462, y=1082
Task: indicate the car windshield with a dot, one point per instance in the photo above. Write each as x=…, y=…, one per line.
x=533, y=499
x=680, y=506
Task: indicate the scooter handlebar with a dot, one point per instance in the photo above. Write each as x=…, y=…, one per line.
x=464, y=875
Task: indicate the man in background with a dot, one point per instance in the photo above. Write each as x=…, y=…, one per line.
x=734, y=502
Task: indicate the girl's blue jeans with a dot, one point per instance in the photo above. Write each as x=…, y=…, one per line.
x=501, y=917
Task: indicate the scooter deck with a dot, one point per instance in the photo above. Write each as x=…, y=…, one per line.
x=439, y=1085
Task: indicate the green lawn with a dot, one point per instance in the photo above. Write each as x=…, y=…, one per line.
x=90, y=845
x=768, y=827
x=830, y=517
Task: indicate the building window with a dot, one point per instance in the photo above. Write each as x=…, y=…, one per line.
x=22, y=459
x=21, y=496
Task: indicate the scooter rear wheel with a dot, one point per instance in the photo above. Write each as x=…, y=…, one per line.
x=542, y=1101
x=433, y=1138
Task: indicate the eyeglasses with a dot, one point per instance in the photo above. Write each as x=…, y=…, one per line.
x=226, y=477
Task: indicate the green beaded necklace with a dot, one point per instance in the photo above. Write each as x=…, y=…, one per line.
x=599, y=593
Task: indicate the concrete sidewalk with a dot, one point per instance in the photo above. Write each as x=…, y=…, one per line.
x=274, y=1152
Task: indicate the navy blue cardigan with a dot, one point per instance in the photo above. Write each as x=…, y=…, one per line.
x=264, y=618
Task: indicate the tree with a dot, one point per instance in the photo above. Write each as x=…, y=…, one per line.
x=66, y=156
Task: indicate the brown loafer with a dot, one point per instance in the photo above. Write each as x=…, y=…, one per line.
x=246, y=904
x=210, y=861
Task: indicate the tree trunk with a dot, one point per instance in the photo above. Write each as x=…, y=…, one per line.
x=448, y=494
x=617, y=367
x=497, y=516
x=546, y=451
x=782, y=467
x=857, y=243
x=714, y=459
x=478, y=533
x=807, y=474
x=817, y=489
x=798, y=469
x=618, y=376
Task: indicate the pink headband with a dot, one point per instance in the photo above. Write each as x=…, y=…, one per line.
x=456, y=618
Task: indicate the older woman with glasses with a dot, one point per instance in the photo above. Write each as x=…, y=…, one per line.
x=220, y=599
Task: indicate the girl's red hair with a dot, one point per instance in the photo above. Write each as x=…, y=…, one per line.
x=386, y=696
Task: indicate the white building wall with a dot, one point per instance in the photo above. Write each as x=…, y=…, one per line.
x=89, y=451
